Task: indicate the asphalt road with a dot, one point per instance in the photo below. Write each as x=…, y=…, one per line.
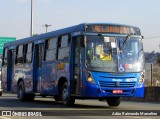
x=47, y=108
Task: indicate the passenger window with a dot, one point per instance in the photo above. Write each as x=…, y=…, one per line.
x=64, y=41
x=50, y=49
x=19, y=55
x=5, y=57
x=63, y=50
x=28, y=53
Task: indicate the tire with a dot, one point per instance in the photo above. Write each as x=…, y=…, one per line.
x=57, y=98
x=21, y=91
x=22, y=95
x=65, y=96
x=0, y=93
x=113, y=101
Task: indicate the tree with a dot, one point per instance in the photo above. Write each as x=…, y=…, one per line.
x=35, y=34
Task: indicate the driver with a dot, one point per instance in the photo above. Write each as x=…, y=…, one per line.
x=102, y=55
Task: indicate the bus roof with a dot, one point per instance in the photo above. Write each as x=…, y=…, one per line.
x=79, y=27
x=76, y=28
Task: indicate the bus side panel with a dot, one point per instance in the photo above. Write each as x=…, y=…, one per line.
x=49, y=78
x=64, y=72
x=19, y=74
x=28, y=77
x=4, y=78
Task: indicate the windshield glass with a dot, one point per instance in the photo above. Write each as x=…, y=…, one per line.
x=114, y=54
x=131, y=58
x=101, y=53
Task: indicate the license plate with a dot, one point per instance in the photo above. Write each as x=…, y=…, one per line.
x=117, y=91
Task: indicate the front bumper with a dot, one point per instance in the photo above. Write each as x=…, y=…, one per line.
x=95, y=91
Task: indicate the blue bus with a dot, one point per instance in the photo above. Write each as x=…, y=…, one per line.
x=103, y=61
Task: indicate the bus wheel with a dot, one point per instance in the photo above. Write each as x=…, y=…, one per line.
x=57, y=98
x=113, y=101
x=21, y=94
x=66, y=98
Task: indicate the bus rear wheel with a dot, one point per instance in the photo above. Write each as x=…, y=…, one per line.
x=0, y=93
x=22, y=95
x=65, y=96
x=113, y=101
x=57, y=98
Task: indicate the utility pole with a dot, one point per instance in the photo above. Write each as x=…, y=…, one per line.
x=31, y=30
x=46, y=25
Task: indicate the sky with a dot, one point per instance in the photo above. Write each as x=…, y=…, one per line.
x=15, y=16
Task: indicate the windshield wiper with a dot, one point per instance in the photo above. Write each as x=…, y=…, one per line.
x=126, y=40
x=101, y=36
x=139, y=53
x=120, y=48
x=106, y=44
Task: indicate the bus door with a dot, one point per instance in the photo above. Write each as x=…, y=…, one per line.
x=77, y=66
x=11, y=61
x=37, y=66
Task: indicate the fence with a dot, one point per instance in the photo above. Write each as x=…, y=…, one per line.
x=151, y=94
x=152, y=75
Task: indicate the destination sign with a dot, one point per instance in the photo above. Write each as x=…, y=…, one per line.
x=114, y=29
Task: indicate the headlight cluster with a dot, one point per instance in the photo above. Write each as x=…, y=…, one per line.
x=89, y=77
x=141, y=80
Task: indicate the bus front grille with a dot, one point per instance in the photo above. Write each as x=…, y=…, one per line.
x=117, y=84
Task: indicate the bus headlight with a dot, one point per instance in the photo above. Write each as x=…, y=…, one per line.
x=89, y=77
x=141, y=80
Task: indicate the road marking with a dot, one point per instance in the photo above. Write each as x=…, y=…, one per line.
x=1, y=117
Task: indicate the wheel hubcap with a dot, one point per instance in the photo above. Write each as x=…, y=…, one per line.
x=20, y=93
x=65, y=94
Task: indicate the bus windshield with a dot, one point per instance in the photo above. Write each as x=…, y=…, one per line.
x=114, y=54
